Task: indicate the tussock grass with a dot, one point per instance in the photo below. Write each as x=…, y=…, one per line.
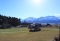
x=23, y=34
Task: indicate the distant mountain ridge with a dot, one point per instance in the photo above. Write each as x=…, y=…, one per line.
x=47, y=19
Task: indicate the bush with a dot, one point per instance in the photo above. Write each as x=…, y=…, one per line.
x=57, y=38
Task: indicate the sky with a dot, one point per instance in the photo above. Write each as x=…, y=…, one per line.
x=29, y=8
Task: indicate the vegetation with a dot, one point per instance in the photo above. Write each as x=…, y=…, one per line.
x=10, y=20
x=23, y=34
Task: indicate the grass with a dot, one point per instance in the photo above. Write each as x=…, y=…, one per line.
x=23, y=34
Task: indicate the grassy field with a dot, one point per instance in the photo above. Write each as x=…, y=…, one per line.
x=23, y=34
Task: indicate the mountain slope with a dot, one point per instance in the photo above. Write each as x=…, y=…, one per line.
x=47, y=19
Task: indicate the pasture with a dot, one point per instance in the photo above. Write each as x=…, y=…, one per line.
x=23, y=34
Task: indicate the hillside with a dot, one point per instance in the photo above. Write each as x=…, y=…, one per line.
x=47, y=19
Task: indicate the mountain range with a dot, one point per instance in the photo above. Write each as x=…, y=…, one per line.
x=47, y=19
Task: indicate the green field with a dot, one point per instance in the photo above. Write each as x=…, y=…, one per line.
x=23, y=34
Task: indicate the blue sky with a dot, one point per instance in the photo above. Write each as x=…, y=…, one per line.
x=29, y=8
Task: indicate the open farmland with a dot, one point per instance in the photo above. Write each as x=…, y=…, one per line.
x=23, y=34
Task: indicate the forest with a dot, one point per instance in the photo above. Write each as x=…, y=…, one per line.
x=13, y=21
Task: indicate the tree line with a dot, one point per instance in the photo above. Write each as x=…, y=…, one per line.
x=13, y=21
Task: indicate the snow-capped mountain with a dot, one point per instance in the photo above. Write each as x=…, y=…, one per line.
x=31, y=18
x=47, y=19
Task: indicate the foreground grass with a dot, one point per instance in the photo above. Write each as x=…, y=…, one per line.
x=23, y=34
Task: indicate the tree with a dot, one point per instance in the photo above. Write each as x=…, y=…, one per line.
x=10, y=20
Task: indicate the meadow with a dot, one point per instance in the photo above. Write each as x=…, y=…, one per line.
x=23, y=34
